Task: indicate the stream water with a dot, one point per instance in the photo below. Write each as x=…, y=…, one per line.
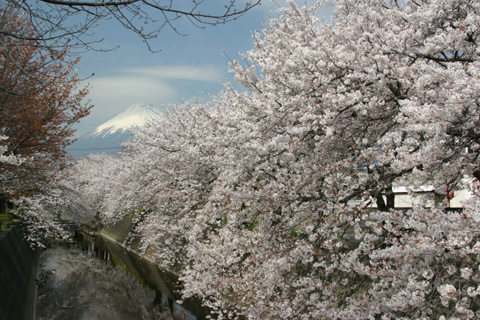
x=77, y=286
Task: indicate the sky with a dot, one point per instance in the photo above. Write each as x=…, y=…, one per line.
x=189, y=66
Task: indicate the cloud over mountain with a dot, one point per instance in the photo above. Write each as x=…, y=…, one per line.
x=108, y=137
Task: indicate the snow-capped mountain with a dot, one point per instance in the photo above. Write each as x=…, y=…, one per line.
x=108, y=137
x=136, y=115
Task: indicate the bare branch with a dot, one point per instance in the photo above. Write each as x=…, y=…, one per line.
x=71, y=24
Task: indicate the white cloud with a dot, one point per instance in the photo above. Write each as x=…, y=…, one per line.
x=118, y=93
x=273, y=6
x=112, y=95
x=159, y=86
x=198, y=73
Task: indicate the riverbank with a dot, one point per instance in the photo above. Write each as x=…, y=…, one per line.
x=77, y=285
x=117, y=241
x=18, y=270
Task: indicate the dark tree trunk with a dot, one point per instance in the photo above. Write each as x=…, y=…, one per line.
x=389, y=196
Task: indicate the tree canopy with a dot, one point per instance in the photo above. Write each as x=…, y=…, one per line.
x=39, y=103
x=278, y=202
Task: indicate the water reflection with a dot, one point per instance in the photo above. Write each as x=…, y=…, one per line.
x=75, y=285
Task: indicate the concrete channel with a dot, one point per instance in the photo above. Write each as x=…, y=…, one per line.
x=113, y=242
x=19, y=271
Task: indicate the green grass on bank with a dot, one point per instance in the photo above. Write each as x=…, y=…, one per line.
x=7, y=220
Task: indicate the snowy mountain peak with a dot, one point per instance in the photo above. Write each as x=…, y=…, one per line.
x=140, y=108
x=136, y=115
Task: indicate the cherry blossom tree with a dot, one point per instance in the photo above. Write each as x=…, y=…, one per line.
x=73, y=195
x=7, y=160
x=40, y=101
x=91, y=176
x=164, y=176
x=278, y=202
x=44, y=214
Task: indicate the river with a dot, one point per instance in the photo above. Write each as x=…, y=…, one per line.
x=75, y=285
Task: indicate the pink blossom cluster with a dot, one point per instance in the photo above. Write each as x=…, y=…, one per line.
x=277, y=202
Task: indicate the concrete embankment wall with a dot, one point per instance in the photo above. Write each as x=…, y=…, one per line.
x=115, y=239
x=18, y=271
